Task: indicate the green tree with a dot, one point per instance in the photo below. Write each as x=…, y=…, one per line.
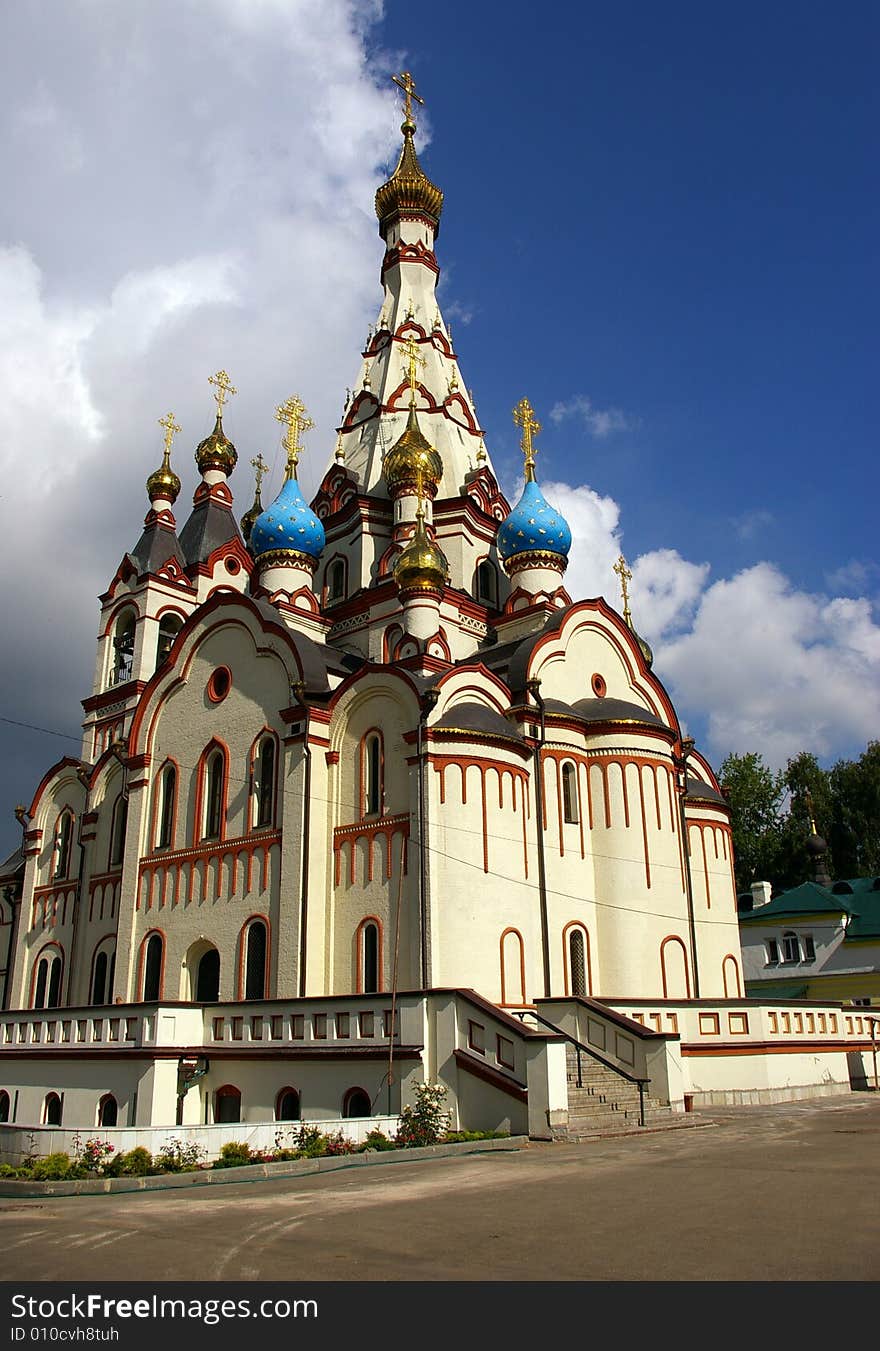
x=854, y=831
x=754, y=795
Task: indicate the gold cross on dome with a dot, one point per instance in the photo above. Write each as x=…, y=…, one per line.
x=293, y=414
x=224, y=387
x=413, y=359
x=406, y=82
x=260, y=468
x=524, y=416
x=625, y=576
x=171, y=428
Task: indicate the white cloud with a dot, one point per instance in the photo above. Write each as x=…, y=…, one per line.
x=600, y=421
x=751, y=524
x=776, y=669
x=665, y=592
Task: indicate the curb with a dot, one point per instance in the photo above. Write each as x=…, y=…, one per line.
x=255, y=1172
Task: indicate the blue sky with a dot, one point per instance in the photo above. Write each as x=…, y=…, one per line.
x=660, y=225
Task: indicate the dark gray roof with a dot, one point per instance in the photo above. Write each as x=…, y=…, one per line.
x=209, y=526
x=615, y=710
x=156, y=545
x=12, y=865
x=519, y=662
x=473, y=717
x=699, y=790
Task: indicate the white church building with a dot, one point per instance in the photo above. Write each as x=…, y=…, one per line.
x=365, y=797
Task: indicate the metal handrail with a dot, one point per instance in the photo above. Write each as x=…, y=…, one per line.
x=596, y=1055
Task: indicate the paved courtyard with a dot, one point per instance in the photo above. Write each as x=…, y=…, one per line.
x=770, y=1194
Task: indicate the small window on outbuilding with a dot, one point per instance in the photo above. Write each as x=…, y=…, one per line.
x=356, y=1103
x=790, y=948
x=772, y=952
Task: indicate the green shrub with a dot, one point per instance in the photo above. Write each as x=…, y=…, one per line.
x=235, y=1154
x=178, y=1156
x=138, y=1162
x=378, y=1141
x=463, y=1137
x=284, y=1155
x=310, y=1143
x=425, y=1122
x=53, y=1168
x=7, y=1170
x=338, y=1144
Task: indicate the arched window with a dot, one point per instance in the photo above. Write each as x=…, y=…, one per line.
x=63, y=845
x=123, y=648
x=357, y=1103
x=167, y=796
x=208, y=978
x=371, y=774
x=569, y=793
x=487, y=584
x=47, y=984
x=117, y=832
x=287, y=1105
x=108, y=1110
x=4, y=1106
x=99, y=979
x=255, y=960
x=370, y=958
x=169, y=627
x=264, y=786
x=52, y=1110
x=153, y=955
x=215, y=777
x=227, y=1104
x=336, y=581
x=577, y=962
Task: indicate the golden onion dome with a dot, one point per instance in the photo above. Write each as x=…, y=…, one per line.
x=645, y=649
x=216, y=451
x=412, y=462
x=409, y=190
x=422, y=566
x=250, y=516
x=163, y=482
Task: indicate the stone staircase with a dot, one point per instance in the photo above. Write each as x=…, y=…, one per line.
x=608, y=1104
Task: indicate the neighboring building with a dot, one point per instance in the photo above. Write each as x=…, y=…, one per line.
x=815, y=942
x=356, y=752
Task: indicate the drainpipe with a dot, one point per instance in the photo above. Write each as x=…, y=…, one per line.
x=534, y=688
x=299, y=692
x=427, y=703
x=687, y=745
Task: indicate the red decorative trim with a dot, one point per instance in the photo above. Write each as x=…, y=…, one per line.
x=729, y=957
x=142, y=959
x=675, y=938
x=52, y=943
x=219, y=684
x=389, y=826
x=242, y=953
x=522, y=969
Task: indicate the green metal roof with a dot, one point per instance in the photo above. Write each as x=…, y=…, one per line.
x=772, y=989
x=807, y=899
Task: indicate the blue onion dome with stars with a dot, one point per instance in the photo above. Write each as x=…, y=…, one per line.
x=288, y=524
x=533, y=526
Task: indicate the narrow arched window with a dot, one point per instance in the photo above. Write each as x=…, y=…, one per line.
x=287, y=1105
x=569, y=793
x=214, y=777
x=208, y=977
x=167, y=795
x=336, y=581
x=577, y=962
x=4, y=1106
x=47, y=986
x=227, y=1104
x=99, y=979
x=370, y=972
x=487, y=584
x=52, y=1110
x=255, y=961
x=63, y=845
x=123, y=648
x=371, y=770
x=153, y=969
x=265, y=785
x=117, y=832
x=108, y=1110
x=357, y=1103
x=169, y=627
